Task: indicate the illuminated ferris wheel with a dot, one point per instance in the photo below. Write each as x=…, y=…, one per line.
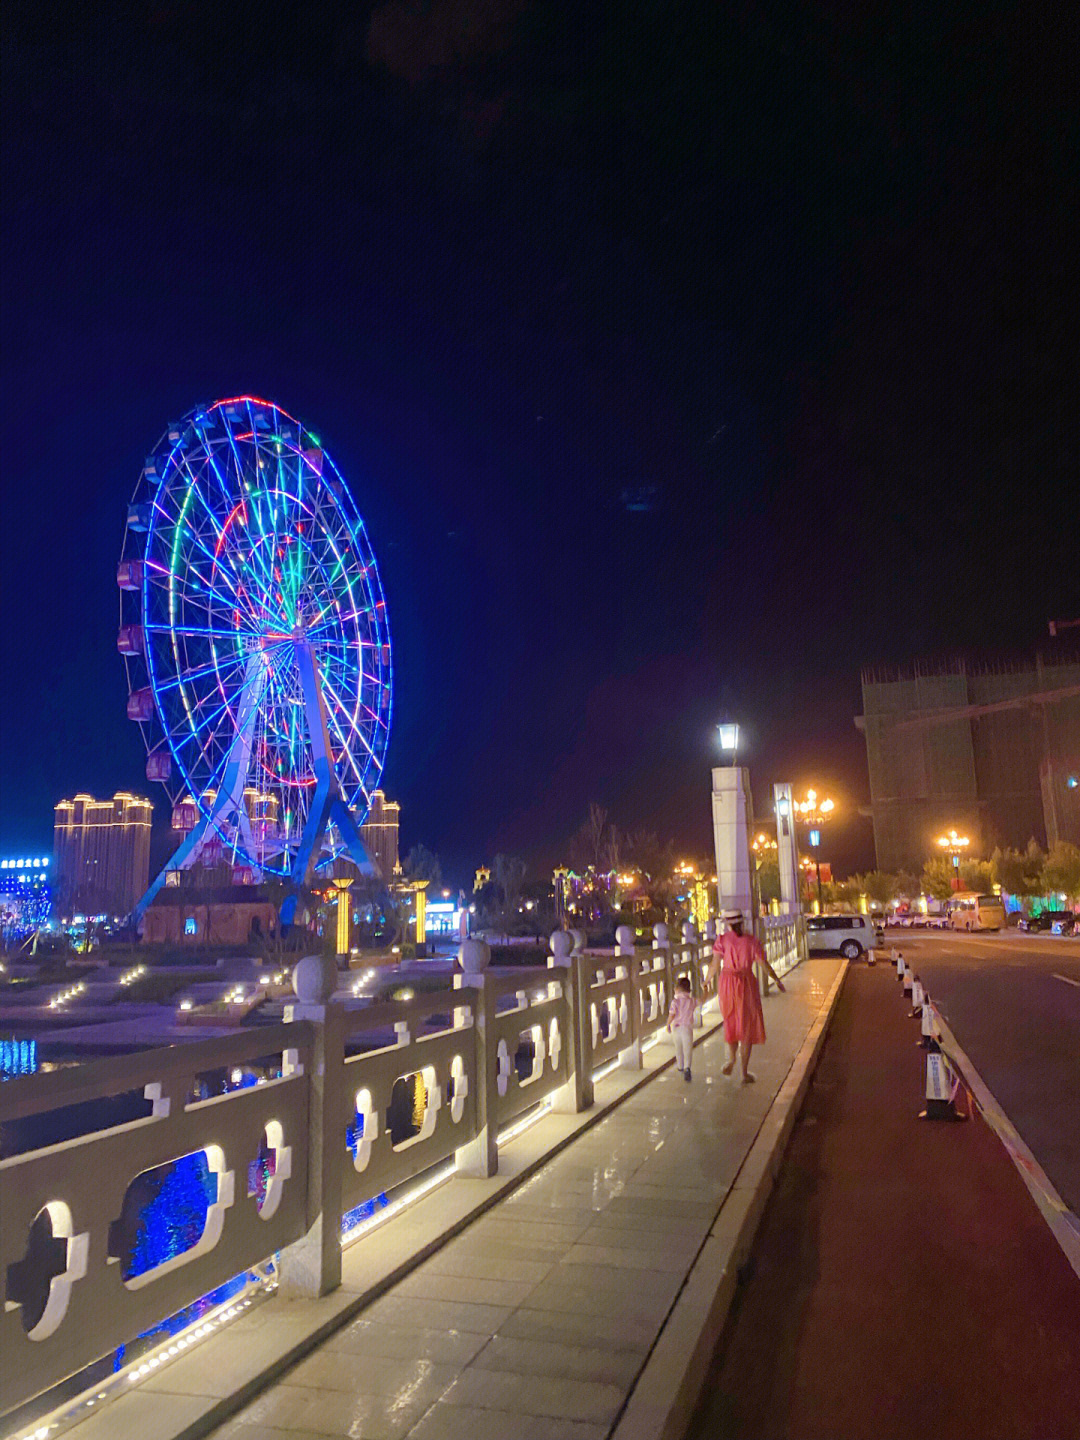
x=253, y=627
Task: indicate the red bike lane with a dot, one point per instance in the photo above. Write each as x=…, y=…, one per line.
x=903, y=1282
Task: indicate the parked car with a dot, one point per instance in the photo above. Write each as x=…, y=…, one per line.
x=1052, y=922
x=852, y=935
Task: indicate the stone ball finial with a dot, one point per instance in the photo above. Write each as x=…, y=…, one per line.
x=474, y=956
x=689, y=931
x=314, y=979
x=561, y=945
x=710, y=929
x=624, y=937
x=660, y=933
x=578, y=937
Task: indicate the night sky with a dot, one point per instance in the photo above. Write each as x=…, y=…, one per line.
x=682, y=358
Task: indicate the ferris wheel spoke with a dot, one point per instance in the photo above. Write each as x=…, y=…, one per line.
x=174, y=572
x=204, y=753
x=211, y=667
x=196, y=490
x=257, y=491
x=221, y=531
x=205, y=727
x=260, y=561
x=351, y=721
x=202, y=596
x=212, y=631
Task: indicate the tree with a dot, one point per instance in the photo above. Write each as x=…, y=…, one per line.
x=907, y=885
x=937, y=877
x=278, y=945
x=596, y=830
x=976, y=875
x=614, y=846
x=843, y=892
x=1019, y=872
x=508, y=876
x=1061, y=872
x=768, y=877
x=650, y=857
x=879, y=887
x=423, y=864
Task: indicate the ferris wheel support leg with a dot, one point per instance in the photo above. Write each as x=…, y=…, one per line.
x=180, y=860
x=230, y=796
x=327, y=803
x=342, y=817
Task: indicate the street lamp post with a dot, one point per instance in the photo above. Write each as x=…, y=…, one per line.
x=815, y=811
x=815, y=841
x=954, y=844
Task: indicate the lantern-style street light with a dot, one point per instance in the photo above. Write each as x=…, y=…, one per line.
x=815, y=811
x=729, y=739
x=954, y=845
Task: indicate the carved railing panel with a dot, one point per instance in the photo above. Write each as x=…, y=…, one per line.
x=445, y=1061
x=540, y=1014
x=81, y=1185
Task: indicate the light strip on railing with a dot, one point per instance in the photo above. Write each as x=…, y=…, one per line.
x=396, y=1206
x=513, y=1131
x=75, y=1411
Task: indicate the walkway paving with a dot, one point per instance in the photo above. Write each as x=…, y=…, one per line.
x=904, y=1282
x=534, y=1323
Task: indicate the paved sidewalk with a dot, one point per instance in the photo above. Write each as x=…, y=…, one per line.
x=535, y=1322
x=904, y=1283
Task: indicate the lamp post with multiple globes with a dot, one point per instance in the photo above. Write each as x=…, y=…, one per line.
x=813, y=812
x=954, y=845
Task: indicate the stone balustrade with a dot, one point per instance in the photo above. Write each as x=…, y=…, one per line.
x=308, y=1135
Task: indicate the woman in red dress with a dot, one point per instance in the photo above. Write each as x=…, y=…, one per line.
x=735, y=955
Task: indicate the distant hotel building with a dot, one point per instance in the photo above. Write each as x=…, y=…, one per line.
x=101, y=852
x=994, y=752
x=379, y=833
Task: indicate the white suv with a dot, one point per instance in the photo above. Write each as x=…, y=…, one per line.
x=852, y=935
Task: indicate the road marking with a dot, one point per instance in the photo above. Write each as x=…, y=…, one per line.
x=1062, y=1222
x=1067, y=980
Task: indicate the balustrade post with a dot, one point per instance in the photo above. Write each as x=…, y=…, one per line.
x=480, y=1157
x=710, y=940
x=662, y=943
x=692, y=942
x=577, y=1094
x=630, y=1057
x=311, y=1266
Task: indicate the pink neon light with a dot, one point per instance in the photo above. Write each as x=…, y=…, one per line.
x=232, y=516
x=253, y=400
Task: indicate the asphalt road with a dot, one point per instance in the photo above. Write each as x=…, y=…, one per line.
x=1013, y=1003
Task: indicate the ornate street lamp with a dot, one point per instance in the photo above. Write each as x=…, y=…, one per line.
x=815, y=811
x=954, y=844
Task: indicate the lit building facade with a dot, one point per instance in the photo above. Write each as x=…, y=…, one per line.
x=101, y=852
x=379, y=833
x=25, y=895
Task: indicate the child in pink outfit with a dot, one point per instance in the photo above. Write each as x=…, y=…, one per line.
x=681, y=1025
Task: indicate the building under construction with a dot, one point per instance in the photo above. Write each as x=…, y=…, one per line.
x=990, y=750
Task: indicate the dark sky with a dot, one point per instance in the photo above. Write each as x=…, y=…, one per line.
x=799, y=277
